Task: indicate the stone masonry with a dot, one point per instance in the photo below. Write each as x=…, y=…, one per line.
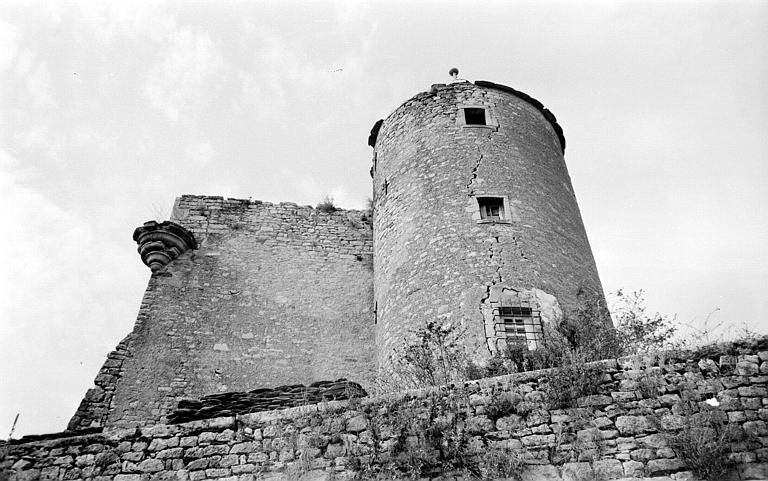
x=250, y=295
x=253, y=306
x=435, y=256
x=621, y=433
x=274, y=294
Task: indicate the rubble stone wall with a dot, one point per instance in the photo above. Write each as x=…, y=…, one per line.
x=621, y=433
x=275, y=294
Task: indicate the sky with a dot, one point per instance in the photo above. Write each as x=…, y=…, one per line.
x=110, y=110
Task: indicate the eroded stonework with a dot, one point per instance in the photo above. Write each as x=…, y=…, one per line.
x=474, y=223
x=465, y=206
x=273, y=294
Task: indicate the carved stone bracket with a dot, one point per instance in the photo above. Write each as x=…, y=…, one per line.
x=160, y=243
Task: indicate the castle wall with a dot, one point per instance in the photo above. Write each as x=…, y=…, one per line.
x=275, y=294
x=622, y=433
x=435, y=258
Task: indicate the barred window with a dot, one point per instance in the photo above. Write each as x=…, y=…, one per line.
x=521, y=326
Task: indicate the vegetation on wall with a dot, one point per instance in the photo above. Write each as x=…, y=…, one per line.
x=703, y=440
x=327, y=205
x=435, y=356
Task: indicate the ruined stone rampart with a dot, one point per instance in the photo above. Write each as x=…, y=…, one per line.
x=621, y=433
x=273, y=294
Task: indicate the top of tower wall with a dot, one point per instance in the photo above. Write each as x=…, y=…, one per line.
x=548, y=115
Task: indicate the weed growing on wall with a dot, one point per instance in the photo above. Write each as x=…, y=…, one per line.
x=703, y=442
x=573, y=379
x=502, y=404
x=638, y=331
x=326, y=205
x=429, y=437
x=500, y=461
x=434, y=356
x=650, y=383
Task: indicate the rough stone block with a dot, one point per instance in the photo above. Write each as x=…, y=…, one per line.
x=540, y=473
x=513, y=422
x=753, y=391
x=633, y=468
x=577, y=471
x=661, y=466
x=754, y=471
x=151, y=466
x=128, y=477
x=479, y=425
x=608, y=469
x=633, y=425
x=357, y=423
x=170, y=453
x=595, y=400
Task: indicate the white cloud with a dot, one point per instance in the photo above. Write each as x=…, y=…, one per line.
x=56, y=266
x=200, y=153
x=9, y=44
x=106, y=21
x=283, y=71
x=190, y=73
x=39, y=88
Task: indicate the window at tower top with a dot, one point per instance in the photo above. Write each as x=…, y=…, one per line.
x=474, y=116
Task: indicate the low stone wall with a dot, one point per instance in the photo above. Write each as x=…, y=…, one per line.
x=620, y=433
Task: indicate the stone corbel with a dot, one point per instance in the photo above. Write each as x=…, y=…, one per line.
x=160, y=243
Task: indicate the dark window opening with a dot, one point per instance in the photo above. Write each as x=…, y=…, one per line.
x=474, y=116
x=491, y=208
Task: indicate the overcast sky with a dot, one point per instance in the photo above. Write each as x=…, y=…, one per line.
x=108, y=111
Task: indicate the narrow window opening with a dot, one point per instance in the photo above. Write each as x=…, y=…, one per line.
x=474, y=116
x=491, y=208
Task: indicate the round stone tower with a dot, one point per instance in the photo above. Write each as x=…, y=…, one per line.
x=475, y=220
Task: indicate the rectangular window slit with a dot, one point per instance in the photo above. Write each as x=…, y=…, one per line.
x=491, y=208
x=474, y=116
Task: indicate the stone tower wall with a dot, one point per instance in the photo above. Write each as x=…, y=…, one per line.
x=434, y=259
x=275, y=295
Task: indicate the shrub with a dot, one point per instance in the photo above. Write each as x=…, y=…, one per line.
x=637, y=331
x=326, y=205
x=573, y=379
x=502, y=462
x=430, y=439
x=650, y=383
x=703, y=443
x=434, y=357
